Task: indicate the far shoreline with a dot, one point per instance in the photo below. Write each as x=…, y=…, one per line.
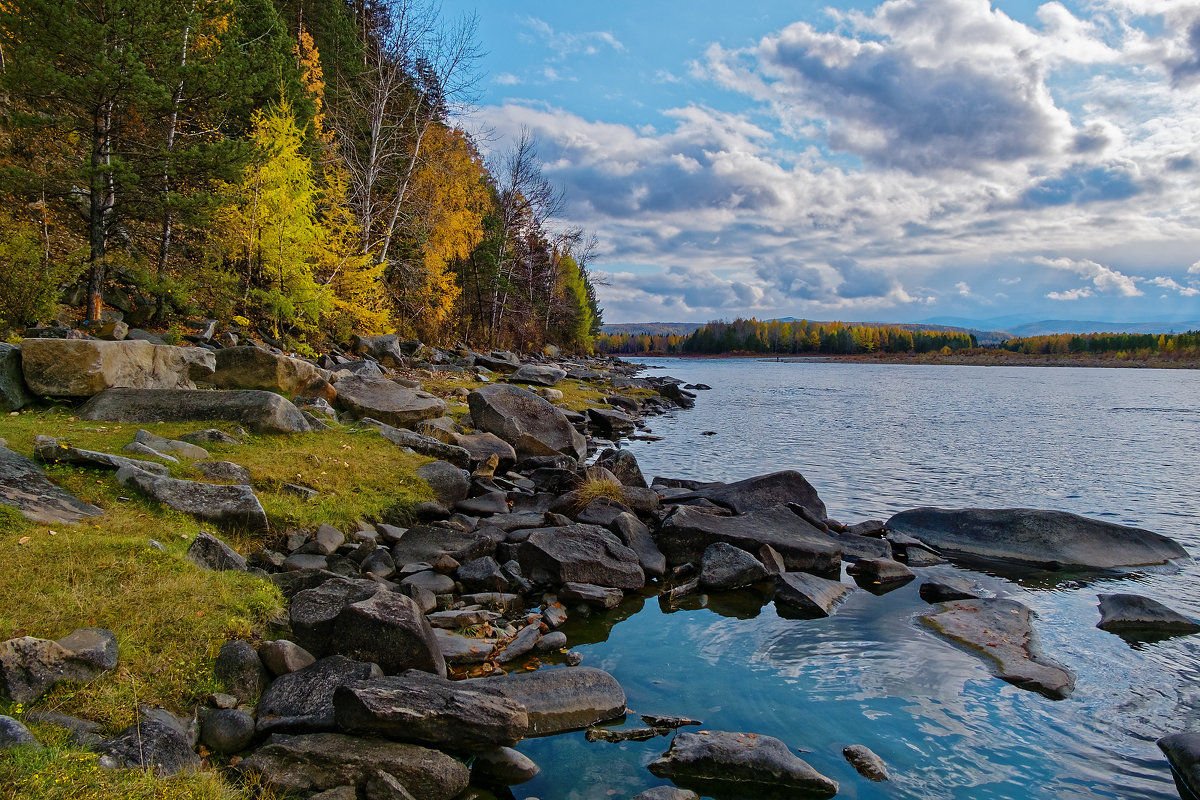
x=991, y=358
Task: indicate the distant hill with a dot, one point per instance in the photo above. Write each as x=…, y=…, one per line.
x=652, y=328
x=1021, y=326
x=984, y=337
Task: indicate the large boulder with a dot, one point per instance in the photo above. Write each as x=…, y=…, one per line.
x=760, y=493
x=1133, y=615
x=580, y=554
x=314, y=610
x=1001, y=631
x=261, y=412
x=529, y=423
x=30, y=667
x=25, y=486
x=302, y=701
x=385, y=348
x=559, y=700
x=390, y=630
x=425, y=543
x=482, y=445
x=724, y=566
x=320, y=761
x=688, y=531
x=424, y=709
x=1053, y=539
x=224, y=504
x=13, y=392
x=256, y=368
x=54, y=451
x=538, y=375
x=722, y=763
x=387, y=401
x=82, y=368
x=1183, y=752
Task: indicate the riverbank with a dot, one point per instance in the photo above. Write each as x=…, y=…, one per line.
x=973, y=358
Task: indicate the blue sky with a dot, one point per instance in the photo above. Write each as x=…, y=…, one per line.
x=896, y=161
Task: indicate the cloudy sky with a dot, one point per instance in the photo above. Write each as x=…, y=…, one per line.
x=897, y=161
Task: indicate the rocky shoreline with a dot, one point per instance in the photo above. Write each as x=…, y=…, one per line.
x=414, y=658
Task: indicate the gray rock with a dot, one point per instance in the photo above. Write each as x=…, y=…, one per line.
x=170, y=446
x=722, y=763
x=855, y=547
x=239, y=668
x=459, y=649
x=449, y=483
x=687, y=532
x=482, y=575
x=261, y=412
x=255, y=368
x=283, y=657
x=667, y=793
x=385, y=786
x=328, y=539
x=390, y=630
x=82, y=368
x=232, y=504
x=227, y=730
x=538, y=375
x=421, y=708
x=140, y=449
x=14, y=394
x=431, y=581
x=151, y=743
x=550, y=642
x=522, y=644
x=559, y=700
x=602, y=511
x=305, y=562
x=81, y=732
x=1052, y=539
x=1001, y=631
x=208, y=552
x=302, y=701
x=590, y=595
x=880, y=571
x=869, y=765
x=624, y=465
x=761, y=493
x=807, y=596
x=1132, y=614
x=339, y=793
x=384, y=348
x=582, y=554
x=948, y=588
x=313, y=611
x=54, y=451
x=502, y=766
x=209, y=436
x=320, y=761
x=636, y=536
x=609, y=423
x=482, y=445
x=425, y=445
x=428, y=542
x=30, y=667
x=1183, y=752
x=25, y=486
x=484, y=505
x=14, y=734
x=461, y=618
x=724, y=566
x=529, y=423
x=387, y=401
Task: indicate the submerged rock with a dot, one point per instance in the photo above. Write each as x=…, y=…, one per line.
x=1002, y=632
x=1053, y=539
x=739, y=764
x=869, y=765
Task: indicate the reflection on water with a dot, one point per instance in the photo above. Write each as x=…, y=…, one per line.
x=874, y=440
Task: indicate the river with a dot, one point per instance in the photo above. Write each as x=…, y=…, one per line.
x=1118, y=444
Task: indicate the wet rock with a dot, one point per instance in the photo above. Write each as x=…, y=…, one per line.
x=687, y=532
x=390, y=630
x=550, y=642
x=25, y=486
x=807, y=596
x=421, y=708
x=529, y=423
x=14, y=734
x=869, y=765
x=54, y=451
x=855, y=547
x=239, y=668
x=152, y=743
x=722, y=763
x=1002, y=632
x=30, y=667
x=282, y=657
x=261, y=412
x=255, y=368
x=82, y=368
x=502, y=766
x=581, y=554
x=609, y=423
x=625, y=734
x=538, y=375
x=559, y=700
x=916, y=556
x=222, y=504
x=227, y=730
x=387, y=401
x=587, y=594
x=1132, y=614
x=1183, y=752
x=320, y=761
x=208, y=552
x=14, y=394
x=871, y=573
x=948, y=587
x=664, y=721
x=1053, y=539
x=724, y=566
x=760, y=493
x=302, y=701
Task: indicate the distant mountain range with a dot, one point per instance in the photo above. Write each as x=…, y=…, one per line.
x=687, y=328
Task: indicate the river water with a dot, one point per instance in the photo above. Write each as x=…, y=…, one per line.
x=876, y=439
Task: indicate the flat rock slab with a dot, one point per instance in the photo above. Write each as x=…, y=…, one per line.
x=1132, y=614
x=425, y=709
x=425, y=445
x=687, y=532
x=82, y=368
x=25, y=486
x=54, y=451
x=321, y=761
x=226, y=504
x=798, y=594
x=387, y=401
x=1002, y=632
x=261, y=412
x=255, y=368
x=1053, y=539
x=721, y=763
x=761, y=492
x=538, y=375
x=563, y=699
x=531, y=424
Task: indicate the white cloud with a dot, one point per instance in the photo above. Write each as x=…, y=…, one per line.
x=964, y=289
x=507, y=79
x=1194, y=269
x=1169, y=283
x=1105, y=279
x=565, y=44
x=1071, y=294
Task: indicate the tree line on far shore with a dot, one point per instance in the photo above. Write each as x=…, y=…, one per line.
x=296, y=166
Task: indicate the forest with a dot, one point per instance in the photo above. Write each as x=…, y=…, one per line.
x=294, y=167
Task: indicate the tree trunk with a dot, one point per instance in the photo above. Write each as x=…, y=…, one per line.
x=99, y=208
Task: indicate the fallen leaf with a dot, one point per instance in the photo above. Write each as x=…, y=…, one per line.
x=23, y=540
